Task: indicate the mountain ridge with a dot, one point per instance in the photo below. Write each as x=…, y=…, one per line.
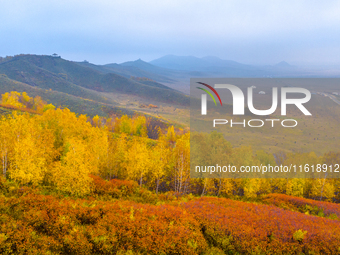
x=48, y=72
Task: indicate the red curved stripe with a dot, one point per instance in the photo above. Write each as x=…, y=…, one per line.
x=213, y=90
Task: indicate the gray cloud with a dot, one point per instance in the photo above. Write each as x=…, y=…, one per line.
x=301, y=32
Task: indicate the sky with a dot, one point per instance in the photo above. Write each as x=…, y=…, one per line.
x=303, y=32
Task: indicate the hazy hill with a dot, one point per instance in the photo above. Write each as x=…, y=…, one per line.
x=211, y=66
x=26, y=71
x=186, y=63
x=191, y=63
x=158, y=73
x=72, y=78
x=127, y=71
x=215, y=61
x=172, y=75
x=142, y=65
x=283, y=64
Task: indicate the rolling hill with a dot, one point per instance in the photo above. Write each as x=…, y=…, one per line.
x=126, y=71
x=25, y=71
x=205, y=64
x=85, y=81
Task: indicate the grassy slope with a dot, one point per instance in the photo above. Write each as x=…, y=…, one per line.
x=76, y=104
x=26, y=72
x=155, y=84
x=44, y=70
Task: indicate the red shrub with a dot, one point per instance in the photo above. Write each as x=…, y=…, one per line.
x=302, y=204
x=115, y=188
x=90, y=227
x=247, y=228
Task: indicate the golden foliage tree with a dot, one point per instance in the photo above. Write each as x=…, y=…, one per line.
x=71, y=174
x=138, y=161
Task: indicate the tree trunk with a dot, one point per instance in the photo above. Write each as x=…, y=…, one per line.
x=203, y=191
x=219, y=187
x=4, y=165
x=157, y=185
x=324, y=180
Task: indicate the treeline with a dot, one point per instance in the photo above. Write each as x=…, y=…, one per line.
x=59, y=149
x=21, y=101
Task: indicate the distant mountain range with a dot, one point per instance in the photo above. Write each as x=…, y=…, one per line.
x=214, y=66
x=190, y=63
x=157, y=81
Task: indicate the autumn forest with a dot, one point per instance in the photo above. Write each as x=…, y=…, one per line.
x=74, y=184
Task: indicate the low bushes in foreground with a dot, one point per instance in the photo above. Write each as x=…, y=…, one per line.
x=308, y=206
x=110, y=221
x=35, y=224
x=248, y=228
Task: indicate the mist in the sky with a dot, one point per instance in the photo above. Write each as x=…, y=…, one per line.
x=250, y=32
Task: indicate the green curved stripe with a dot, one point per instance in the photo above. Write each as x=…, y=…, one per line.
x=208, y=93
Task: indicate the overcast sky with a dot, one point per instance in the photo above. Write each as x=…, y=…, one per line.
x=108, y=31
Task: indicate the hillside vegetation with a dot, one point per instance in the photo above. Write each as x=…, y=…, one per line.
x=75, y=103
x=121, y=218
x=72, y=184
x=49, y=72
